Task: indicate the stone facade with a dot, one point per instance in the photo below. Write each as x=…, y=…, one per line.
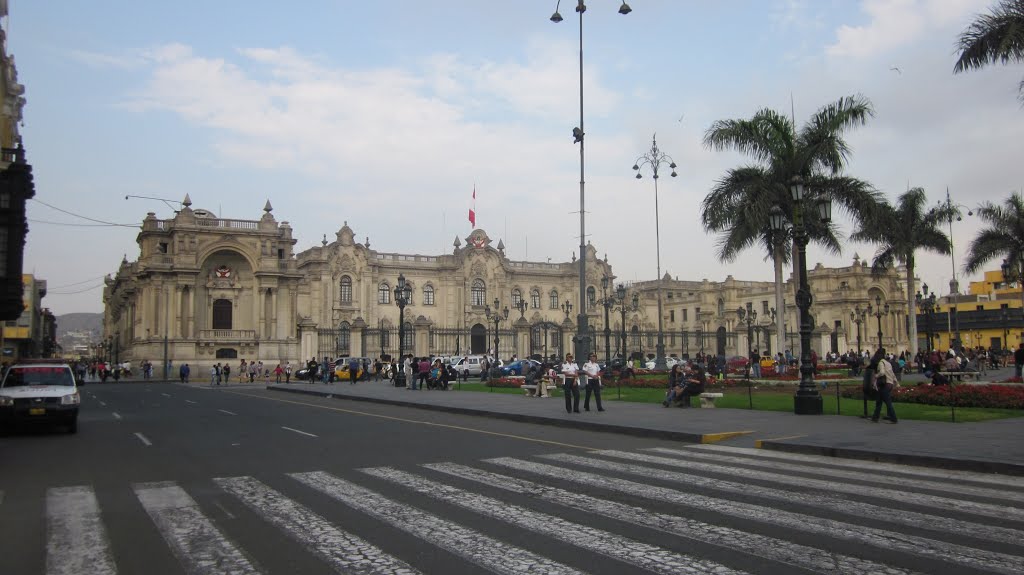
x=210, y=290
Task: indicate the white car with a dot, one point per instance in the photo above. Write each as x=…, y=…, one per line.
x=669, y=362
x=40, y=393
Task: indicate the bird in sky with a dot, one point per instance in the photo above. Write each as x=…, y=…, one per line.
x=896, y=69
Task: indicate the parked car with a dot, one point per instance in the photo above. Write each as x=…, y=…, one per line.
x=517, y=367
x=39, y=393
x=341, y=368
x=669, y=362
x=469, y=363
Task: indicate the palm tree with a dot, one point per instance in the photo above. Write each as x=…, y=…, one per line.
x=739, y=203
x=1003, y=237
x=996, y=37
x=900, y=231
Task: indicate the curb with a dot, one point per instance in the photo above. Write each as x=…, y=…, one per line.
x=540, y=420
x=961, y=464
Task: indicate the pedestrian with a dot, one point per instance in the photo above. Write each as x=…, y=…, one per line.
x=592, y=371
x=226, y=373
x=884, y=381
x=215, y=375
x=695, y=382
x=675, y=384
x=570, y=384
x=288, y=372
x=183, y=372
x=353, y=370
x=410, y=383
x=278, y=371
x=243, y=371
x=424, y=372
x=755, y=364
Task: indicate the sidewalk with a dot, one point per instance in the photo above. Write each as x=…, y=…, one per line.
x=993, y=446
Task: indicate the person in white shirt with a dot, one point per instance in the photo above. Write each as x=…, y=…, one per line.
x=592, y=371
x=571, y=385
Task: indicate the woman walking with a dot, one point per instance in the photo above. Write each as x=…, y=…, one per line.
x=884, y=380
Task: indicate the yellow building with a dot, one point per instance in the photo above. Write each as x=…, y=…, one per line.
x=989, y=316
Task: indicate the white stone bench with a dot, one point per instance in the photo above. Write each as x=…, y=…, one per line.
x=540, y=389
x=708, y=399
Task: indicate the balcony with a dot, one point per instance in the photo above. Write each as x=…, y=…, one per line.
x=227, y=334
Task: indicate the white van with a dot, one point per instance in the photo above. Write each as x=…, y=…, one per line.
x=43, y=393
x=469, y=363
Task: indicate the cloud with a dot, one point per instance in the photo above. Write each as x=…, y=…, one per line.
x=896, y=23
x=100, y=60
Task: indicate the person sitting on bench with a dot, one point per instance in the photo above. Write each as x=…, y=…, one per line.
x=694, y=385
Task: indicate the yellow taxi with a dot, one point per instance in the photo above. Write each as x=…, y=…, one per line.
x=342, y=372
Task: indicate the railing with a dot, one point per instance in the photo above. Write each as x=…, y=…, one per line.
x=406, y=258
x=228, y=334
x=534, y=266
x=231, y=224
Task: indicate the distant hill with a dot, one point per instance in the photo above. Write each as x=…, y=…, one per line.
x=79, y=322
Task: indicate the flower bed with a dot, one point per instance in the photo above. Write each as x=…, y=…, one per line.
x=999, y=396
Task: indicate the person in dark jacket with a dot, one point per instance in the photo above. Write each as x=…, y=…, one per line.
x=694, y=386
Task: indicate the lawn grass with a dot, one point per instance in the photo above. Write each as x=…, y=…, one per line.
x=780, y=398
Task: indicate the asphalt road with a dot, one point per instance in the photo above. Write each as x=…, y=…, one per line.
x=164, y=478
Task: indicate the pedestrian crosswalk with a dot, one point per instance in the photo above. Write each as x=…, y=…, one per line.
x=687, y=510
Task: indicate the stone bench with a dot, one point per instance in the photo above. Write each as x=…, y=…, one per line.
x=537, y=390
x=960, y=375
x=708, y=399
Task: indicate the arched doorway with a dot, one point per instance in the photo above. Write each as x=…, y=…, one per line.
x=478, y=339
x=720, y=341
x=222, y=314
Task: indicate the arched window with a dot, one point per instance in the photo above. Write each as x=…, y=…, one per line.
x=517, y=296
x=553, y=299
x=384, y=293
x=478, y=293
x=346, y=289
x=535, y=298
x=591, y=297
x=222, y=314
x=721, y=307
x=428, y=295
x=344, y=338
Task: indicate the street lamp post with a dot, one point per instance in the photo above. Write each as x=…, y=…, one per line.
x=496, y=315
x=582, y=339
x=926, y=303
x=952, y=211
x=858, y=316
x=807, y=400
x=748, y=318
x=655, y=158
x=879, y=311
x=403, y=293
x=624, y=307
x=607, y=303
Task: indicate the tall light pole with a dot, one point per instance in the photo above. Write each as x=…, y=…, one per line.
x=496, y=315
x=624, y=307
x=879, y=311
x=807, y=400
x=748, y=318
x=859, y=316
x=926, y=303
x=582, y=339
x=403, y=293
x=655, y=158
x=607, y=303
x=952, y=209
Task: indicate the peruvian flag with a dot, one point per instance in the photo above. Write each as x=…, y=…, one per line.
x=472, y=209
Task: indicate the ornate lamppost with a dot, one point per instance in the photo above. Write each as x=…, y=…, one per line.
x=655, y=158
x=926, y=303
x=403, y=293
x=496, y=315
x=858, y=316
x=879, y=311
x=522, y=305
x=807, y=400
x=582, y=332
x=748, y=318
x=607, y=303
x=625, y=307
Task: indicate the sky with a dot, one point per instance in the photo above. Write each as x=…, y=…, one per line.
x=387, y=115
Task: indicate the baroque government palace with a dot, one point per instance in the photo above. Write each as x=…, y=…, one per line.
x=205, y=289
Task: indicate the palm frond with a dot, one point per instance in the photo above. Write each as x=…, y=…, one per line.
x=996, y=37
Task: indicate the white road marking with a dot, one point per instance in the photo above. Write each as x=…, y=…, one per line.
x=190, y=401
x=76, y=541
x=788, y=483
x=297, y=431
x=818, y=526
x=346, y=552
x=197, y=543
x=117, y=415
x=227, y=412
x=470, y=545
x=770, y=548
x=143, y=439
x=224, y=510
x=632, y=551
x=102, y=403
x=165, y=394
x=958, y=489
x=953, y=476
